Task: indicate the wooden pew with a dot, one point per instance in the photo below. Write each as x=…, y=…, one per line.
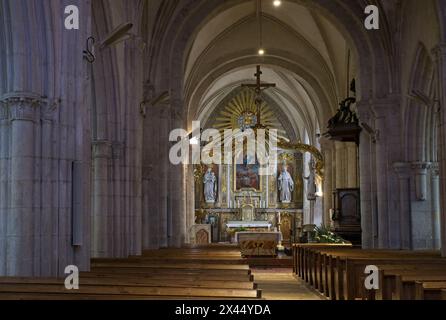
x=398, y=282
x=165, y=274
x=184, y=266
x=302, y=252
x=28, y=288
x=328, y=269
x=340, y=282
x=354, y=268
x=140, y=282
x=175, y=275
x=429, y=290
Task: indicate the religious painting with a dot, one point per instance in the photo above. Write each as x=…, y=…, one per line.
x=246, y=175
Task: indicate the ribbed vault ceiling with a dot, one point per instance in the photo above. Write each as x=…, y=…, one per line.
x=305, y=56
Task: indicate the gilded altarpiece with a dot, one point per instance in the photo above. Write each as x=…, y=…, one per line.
x=264, y=198
x=242, y=185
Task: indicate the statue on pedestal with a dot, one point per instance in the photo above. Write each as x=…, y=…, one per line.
x=210, y=186
x=285, y=185
x=311, y=184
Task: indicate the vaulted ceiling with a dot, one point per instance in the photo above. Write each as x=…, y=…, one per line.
x=306, y=56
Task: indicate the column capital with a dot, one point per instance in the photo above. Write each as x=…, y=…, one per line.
x=421, y=167
x=4, y=111
x=102, y=149
x=384, y=107
x=21, y=106
x=420, y=170
x=402, y=169
x=117, y=150
x=435, y=169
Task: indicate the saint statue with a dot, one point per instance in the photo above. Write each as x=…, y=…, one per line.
x=285, y=185
x=311, y=184
x=210, y=186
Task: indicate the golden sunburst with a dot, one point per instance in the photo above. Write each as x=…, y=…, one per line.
x=241, y=113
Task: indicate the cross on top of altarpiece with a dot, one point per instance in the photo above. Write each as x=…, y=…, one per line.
x=258, y=88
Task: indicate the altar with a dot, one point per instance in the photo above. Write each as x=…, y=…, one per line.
x=249, y=225
x=258, y=243
x=243, y=196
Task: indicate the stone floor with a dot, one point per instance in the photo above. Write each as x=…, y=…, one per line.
x=281, y=284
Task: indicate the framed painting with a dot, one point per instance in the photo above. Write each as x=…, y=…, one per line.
x=246, y=176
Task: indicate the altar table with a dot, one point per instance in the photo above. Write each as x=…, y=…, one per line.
x=258, y=243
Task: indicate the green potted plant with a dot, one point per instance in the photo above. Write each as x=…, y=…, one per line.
x=324, y=235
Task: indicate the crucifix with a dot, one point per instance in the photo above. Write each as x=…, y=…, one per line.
x=258, y=88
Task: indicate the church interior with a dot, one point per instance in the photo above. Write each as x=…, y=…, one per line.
x=350, y=94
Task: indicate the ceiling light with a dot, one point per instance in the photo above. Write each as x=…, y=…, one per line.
x=277, y=3
x=261, y=52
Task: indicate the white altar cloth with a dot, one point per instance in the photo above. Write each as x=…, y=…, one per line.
x=249, y=224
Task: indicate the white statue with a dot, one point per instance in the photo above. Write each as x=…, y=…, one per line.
x=285, y=185
x=311, y=184
x=210, y=186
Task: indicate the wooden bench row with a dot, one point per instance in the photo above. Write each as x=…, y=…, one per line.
x=146, y=278
x=338, y=272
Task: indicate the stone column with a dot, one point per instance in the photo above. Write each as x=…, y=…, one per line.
x=190, y=187
x=382, y=192
x=420, y=170
x=388, y=151
x=177, y=186
x=4, y=182
x=436, y=211
x=403, y=170
x=102, y=153
x=365, y=165
x=163, y=176
x=440, y=54
x=328, y=181
x=24, y=113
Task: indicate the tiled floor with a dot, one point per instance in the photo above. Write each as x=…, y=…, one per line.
x=281, y=284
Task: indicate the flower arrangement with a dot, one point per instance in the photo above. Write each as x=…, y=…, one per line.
x=324, y=235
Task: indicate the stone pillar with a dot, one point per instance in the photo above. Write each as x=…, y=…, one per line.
x=24, y=113
x=163, y=176
x=388, y=151
x=4, y=182
x=365, y=165
x=327, y=149
x=190, y=200
x=382, y=192
x=440, y=54
x=420, y=170
x=177, y=187
x=102, y=153
x=436, y=211
x=405, y=228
